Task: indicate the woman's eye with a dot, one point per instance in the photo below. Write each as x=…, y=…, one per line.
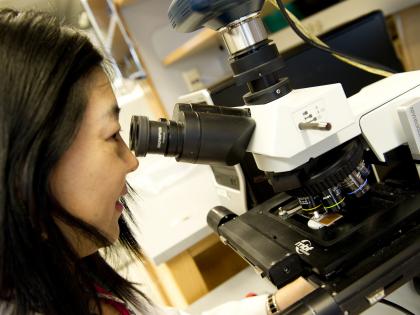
x=116, y=136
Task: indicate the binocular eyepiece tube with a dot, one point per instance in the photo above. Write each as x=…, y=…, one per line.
x=197, y=134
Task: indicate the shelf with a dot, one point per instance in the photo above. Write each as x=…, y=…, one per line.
x=110, y=28
x=206, y=38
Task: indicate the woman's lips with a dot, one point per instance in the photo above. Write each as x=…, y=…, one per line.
x=119, y=206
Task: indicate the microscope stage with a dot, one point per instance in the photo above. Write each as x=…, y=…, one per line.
x=384, y=216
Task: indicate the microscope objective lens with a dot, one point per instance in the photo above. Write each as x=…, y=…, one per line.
x=310, y=203
x=332, y=199
x=356, y=183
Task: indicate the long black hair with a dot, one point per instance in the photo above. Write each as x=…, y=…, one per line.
x=44, y=71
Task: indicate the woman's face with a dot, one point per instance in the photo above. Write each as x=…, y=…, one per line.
x=89, y=178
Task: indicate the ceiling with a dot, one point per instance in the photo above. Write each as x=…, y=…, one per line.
x=68, y=10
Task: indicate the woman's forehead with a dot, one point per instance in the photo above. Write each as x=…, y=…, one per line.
x=102, y=104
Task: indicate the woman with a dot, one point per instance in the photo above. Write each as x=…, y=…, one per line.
x=62, y=171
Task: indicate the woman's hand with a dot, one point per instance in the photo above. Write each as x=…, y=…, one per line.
x=293, y=292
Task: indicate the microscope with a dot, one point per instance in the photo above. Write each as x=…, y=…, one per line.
x=346, y=171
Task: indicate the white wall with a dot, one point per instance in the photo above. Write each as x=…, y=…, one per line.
x=148, y=24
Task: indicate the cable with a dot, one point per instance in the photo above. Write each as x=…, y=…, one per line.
x=396, y=306
x=316, y=42
x=311, y=39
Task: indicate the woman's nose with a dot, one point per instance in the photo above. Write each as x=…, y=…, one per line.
x=131, y=159
x=133, y=162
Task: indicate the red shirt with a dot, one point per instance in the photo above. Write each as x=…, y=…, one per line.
x=112, y=300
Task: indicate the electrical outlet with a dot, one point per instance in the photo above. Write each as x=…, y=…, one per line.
x=193, y=79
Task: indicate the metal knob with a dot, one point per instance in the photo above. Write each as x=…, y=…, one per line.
x=315, y=126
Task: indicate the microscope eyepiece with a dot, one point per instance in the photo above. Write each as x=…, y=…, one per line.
x=139, y=125
x=160, y=137
x=197, y=134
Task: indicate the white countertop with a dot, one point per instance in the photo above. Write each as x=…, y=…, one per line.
x=171, y=210
x=235, y=288
x=248, y=281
